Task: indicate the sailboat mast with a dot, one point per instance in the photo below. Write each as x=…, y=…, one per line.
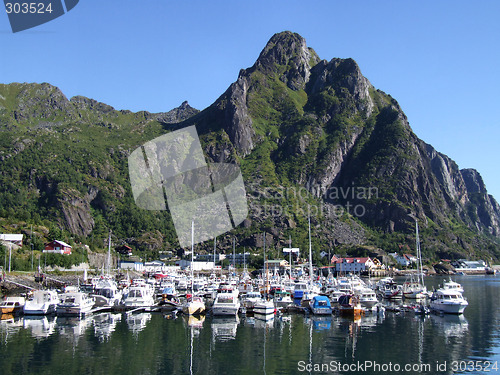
x=419, y=255
x=234, y=256
x=109, y=253
x=310, y=246
x=215, y=244
x=192, y=256
x=265, y=267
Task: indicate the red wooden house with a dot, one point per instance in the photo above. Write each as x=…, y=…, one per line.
x=57, y=247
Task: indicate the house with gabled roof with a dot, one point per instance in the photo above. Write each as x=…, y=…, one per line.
x=57, y=247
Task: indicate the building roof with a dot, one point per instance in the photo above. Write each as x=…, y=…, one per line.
x=11, y=237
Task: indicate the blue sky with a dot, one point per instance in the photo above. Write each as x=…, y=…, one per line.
x=440, y=60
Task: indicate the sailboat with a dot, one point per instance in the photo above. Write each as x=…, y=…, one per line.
x=265, y=307
x=416, y=289
x=312, y=289
x=194, y=304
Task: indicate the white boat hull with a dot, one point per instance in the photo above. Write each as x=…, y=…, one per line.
x=225, y=310
x=449, y=308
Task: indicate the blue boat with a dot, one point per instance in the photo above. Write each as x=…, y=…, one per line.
x=320, y=305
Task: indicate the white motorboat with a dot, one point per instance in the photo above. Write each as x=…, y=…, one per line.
x=282, y=299
x=74, y=304
x=452, y=286
x=226, y=304
x=141, y=295
x=107, y=293
x=250, y=299
x=367, y=297
x=264, y=307
x=448, y=301
x=43, y=302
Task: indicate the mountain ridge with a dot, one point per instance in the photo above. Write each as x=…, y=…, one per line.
x=292, y=121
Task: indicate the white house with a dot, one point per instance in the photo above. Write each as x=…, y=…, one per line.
x=197, y=266
x=404, y=260
x=16, y=239
x=353, y=265
x=131, y=265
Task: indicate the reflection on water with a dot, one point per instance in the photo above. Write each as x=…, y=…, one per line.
x=137, y=322
x=224, y=328
x=145, y=343
x=41, y=327
x=105, y=325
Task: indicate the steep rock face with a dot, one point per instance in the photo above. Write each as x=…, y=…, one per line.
x=483, y=209
x=236, y=121
x=76, y=211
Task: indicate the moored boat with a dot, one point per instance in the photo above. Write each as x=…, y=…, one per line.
x=320, y=305
x=349, y=305
x=448, y=301
x=194, y=306
x=12, y=305
x=43, y=302
x=226, y=304
x=74, y=304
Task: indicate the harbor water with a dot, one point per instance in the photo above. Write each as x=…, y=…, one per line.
x=155, y=343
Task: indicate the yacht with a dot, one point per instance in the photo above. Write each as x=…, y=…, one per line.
x=107, y=293
x=282, y=299
x=448, y=301
x=264, y=308
x=453, y=286
x=43, y=302
x=250, y=299
x=139, y=295
x=74, y=304
x=367, y=298
x=226, y=304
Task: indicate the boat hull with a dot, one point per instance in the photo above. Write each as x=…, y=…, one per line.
x=449, y=308
x=225, y=310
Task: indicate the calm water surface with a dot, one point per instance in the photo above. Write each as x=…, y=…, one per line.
x=156, y=344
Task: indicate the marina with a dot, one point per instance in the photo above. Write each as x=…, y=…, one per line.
x=149, y=340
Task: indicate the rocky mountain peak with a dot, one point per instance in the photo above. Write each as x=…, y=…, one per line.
x=287, y=54
x=179, y=114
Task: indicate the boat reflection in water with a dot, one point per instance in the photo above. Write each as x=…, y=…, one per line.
x=105, y=325
x=452, y=326
x=319, y=323
x=224, y=329
x=73, y=327
x=138, y=321
x=9, y=326
x=41, y=327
